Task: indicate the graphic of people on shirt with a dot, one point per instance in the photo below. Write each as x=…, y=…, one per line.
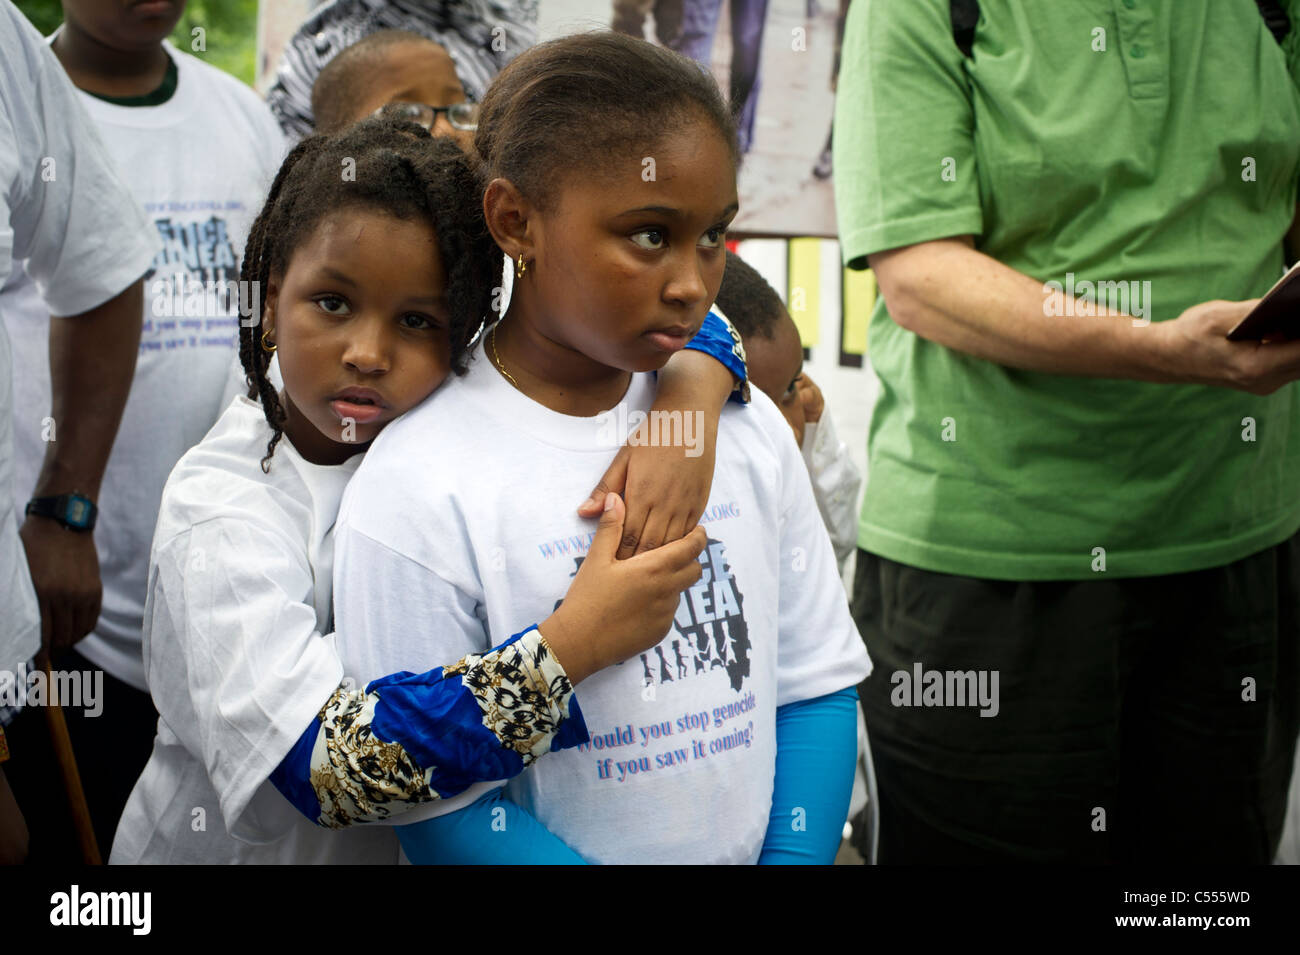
x=681, y=664
x=710, y=621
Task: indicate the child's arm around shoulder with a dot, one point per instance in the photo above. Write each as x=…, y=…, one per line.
x=411, y=739
x=667, y=482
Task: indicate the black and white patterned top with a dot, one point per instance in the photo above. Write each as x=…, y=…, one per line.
x=481, y=36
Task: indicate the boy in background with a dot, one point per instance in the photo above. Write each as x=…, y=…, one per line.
x=480, y=39
x=197, y=149
x=394, y=67
x=775, y=359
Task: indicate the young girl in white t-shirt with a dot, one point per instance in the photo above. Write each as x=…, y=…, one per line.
x=613, y=179
x=373, y=262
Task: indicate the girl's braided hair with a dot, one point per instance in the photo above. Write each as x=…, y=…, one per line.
x=388, y=166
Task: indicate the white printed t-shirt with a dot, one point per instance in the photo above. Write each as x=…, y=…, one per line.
x=63, y=209
x=200, y=165
x=461, y=521
x=239, y=601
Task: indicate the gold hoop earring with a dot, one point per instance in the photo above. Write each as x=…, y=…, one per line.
x=265, y=347
x=520, y=267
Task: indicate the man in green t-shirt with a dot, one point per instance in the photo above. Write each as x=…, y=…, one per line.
x=1079, y=569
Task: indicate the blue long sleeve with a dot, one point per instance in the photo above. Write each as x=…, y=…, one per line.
x=411, y=738
x=719, y=339
x=489, y=831
x=816, y=750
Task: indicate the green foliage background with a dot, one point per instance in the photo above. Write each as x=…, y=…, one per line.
x=230, y=28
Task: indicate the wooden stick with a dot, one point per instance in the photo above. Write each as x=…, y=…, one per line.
x=62, y=744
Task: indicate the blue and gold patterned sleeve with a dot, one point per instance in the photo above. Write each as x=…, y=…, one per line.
x=719, y=339
x=410, y=738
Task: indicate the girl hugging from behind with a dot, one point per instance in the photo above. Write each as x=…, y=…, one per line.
x=371, y=269
x=611, y=180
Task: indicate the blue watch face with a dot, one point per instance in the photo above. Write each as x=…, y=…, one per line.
x=78, y=512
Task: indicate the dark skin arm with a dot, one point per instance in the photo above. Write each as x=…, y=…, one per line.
x=92, y=362
x=665, y=488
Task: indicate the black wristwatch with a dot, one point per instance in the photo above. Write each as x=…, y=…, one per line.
x=73, y=511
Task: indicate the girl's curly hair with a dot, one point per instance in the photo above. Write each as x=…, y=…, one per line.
x=387, y=166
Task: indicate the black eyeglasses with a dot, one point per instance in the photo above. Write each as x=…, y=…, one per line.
x=462, y=116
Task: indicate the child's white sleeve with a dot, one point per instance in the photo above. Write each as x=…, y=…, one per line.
x=63, y=207
x=820, y=650
x=234, y=659
x=836, y=483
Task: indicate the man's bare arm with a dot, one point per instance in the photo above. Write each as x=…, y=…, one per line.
x=949, y=293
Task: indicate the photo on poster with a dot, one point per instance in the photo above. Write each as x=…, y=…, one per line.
x=775, y=61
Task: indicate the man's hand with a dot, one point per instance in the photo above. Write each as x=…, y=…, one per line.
x=65, y=572
x=1195, y=350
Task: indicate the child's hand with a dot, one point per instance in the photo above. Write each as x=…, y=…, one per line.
x=665, y=470
x=811, y=398
x=615, y=609
x=666, y=490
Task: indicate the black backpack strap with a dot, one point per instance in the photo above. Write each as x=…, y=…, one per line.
x=1275, y=18
x=965, y=14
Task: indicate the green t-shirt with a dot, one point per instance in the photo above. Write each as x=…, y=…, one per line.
x=1170, y=157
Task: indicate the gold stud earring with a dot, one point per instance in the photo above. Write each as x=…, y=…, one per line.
x=265, y=347
x=520, y=267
